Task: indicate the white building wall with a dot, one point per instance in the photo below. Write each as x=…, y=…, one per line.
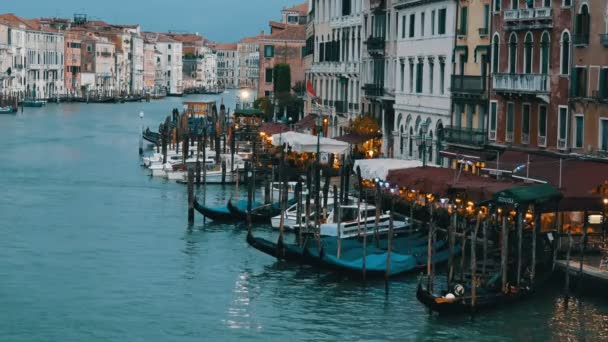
x=432, y=103
x=44, y=64
x=137, y=64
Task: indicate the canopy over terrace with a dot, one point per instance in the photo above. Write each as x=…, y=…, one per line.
x=379, y=168
x=576, y=178
x=306, y=143
x=272, y=128
x=446, y=182
x=199, y=108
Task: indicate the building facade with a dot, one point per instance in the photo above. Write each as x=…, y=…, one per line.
x=425, y=48
x=248, y=62
x=530, y=71
x=227, y=64
x=336, y=56
x=588, y=132
x=72, y=62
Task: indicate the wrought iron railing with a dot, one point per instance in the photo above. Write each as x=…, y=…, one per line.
x=465, y=136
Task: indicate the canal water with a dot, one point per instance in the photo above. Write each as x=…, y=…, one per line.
x=93, y=249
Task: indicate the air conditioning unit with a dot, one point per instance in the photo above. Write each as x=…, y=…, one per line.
x=561, y=144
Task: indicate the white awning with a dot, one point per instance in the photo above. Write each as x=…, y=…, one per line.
x=379, y=168
x=306, y=143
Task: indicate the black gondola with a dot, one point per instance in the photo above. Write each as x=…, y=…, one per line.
x=217, y=214
x=152, y=137
x=288, y=251
x=259, y=214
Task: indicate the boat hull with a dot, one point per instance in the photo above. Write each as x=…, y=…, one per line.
x=214, y=214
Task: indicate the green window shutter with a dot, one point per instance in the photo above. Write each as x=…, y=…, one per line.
x=495, y=54
x=463, y=20
x=579, y=131
x=574, y=83
x=545, y=58
x=486, y=17
x=458, y=115
x=268, y=75
x=604, y=134
x=563, y=122
x=603, y=90
x=403, y=26
x=442, y=18
x=510, y=117
x=412, y=24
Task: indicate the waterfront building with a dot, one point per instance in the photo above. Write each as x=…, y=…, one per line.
x=379, y=68
x=6, y=60
x=227, y=64
x=193, y=50
x=248, y=62
x=209, y=70
x=149, y=66
x=72, y=62
x=588, y=123
x=169, y=61
x=466, y=133
x=97, y=65
x=425, y=48
x=295, y=15
x=531, y=48
x=283, y=46
x=336, y=54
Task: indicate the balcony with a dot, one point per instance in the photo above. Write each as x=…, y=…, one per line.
x=483, y=31
x=525, y=138
x=375, y=44
x=346, y=21
x=521, y=83
x=542, y=141
x=465, y=136
x=528, y=18
x=604, y=40
x=509, y=137
x=373, y=90
x=561, y=144
x=580, y=40
x=463, y=85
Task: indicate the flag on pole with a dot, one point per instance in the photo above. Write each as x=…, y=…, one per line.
x=311, y=92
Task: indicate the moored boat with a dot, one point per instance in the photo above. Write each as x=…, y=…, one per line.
x=217, y=214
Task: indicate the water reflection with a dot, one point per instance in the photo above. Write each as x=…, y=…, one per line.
x=577, y=319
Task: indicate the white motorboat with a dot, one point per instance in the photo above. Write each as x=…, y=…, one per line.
x=291, y=215
x=354, y=222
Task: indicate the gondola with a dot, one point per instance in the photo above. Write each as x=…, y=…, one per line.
x=259, y=213
x=288, y=251
x=448, y=303
x=33, y=103
x=217, y=214
x=8, y=110
x=152, y=137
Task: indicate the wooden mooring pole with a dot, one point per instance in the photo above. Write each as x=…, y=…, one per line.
x=474, y=262
x=504, y=252
x=190, y=196
x=387, y=274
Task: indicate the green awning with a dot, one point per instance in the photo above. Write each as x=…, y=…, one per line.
x=523, y=195
x=249, y=112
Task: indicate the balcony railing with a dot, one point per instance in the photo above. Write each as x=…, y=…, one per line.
x=521, y=83
x=373, y=90
x=580, y=39
x=465, y=136
x=561, y=144
x=474, y=85
x=375, y=43
x=542, y=141
x=604, y=40
x=509, y=137
x=483, y=31
x=492, y=135
x=526, y=14
x=525, y=138
x=511, y=15
x=542, y=13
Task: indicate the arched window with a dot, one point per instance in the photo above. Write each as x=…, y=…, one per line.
x=411, y=143
x=512, y=53
x=581, y=33
x=495, y=52
x=528, y=54
x=401, y=140
x=544, y=53
x=565, y=54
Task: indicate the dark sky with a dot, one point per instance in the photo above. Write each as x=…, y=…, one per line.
x=219, y=20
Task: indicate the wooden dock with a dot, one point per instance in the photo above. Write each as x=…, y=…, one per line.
x=589, y=271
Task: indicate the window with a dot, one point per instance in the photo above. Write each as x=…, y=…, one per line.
x=495, y=53
x=513, y=53
x=525, y=123
x=544, y=53
x=493, y=114
x=268, y=77
x=582, y=26
x=442, y=18
x=422, y=24
x=567, y=3
x=403, y=27
x=169, y=47
x=579, y=82
x=432, y=22
x=546, y=3
x=603, y=88
x=169, y=58
x=510, y=121
x=402, y=65
x=579, y=129
x=269, y=50
x=603, y=134
x=442, y=77
x=463, y=21
x=562, y=126
x=528, y=54
x=411, y=76
x=419, y=73
x=293, y=19
x=565, y=54
x=497, y=5
x=486, y=19
x=431, y=70
x=514, y=4
x=412, y=24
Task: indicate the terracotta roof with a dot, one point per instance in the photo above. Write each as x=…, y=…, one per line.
x=187, y=37
x=15, y=21
x=289, y=33
x=302, y=9
x=223, y=46
x=253, y=39
x=276, y=25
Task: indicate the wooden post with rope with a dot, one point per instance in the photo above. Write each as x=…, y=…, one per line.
x=389, y=246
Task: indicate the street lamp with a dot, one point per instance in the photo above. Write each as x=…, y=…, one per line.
x=423, y=141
